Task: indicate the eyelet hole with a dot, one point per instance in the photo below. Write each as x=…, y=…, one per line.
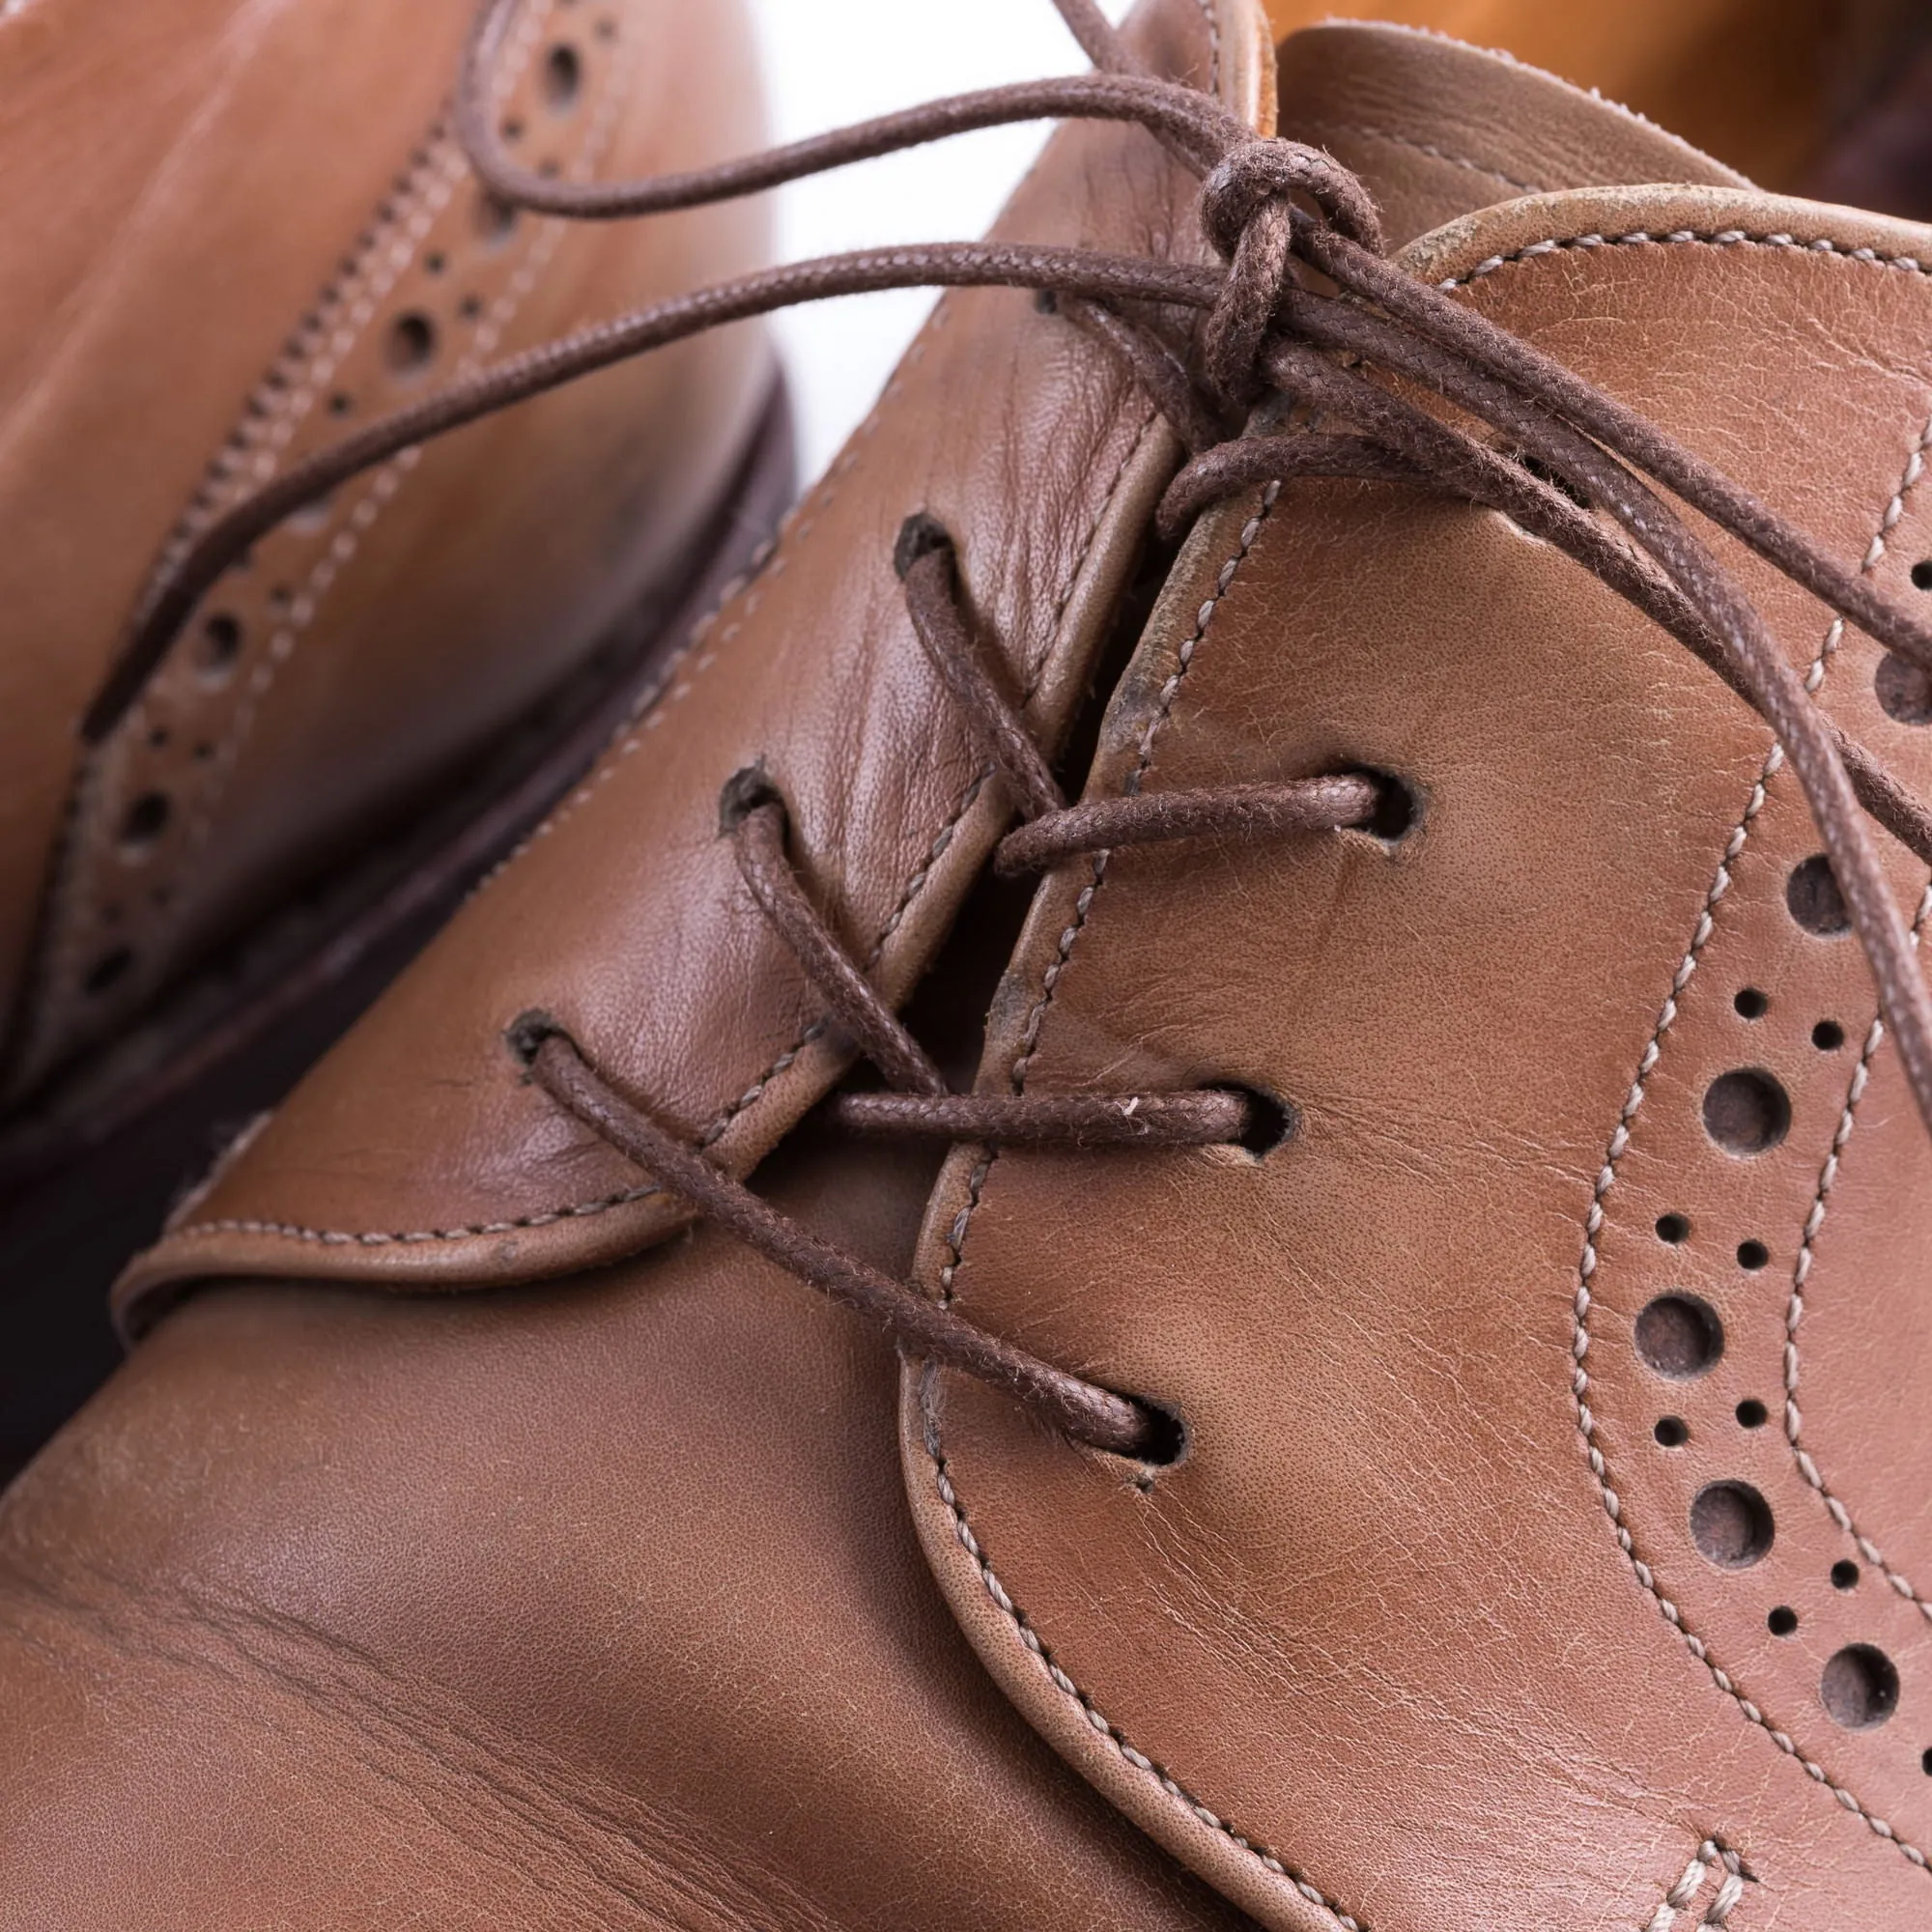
x=1753, y=1414
x=1398, y=809
x=1827, y=1036
x=1749, y=1003
x=1271, y=1121
x=1782, y=1621
x=742, y=794
x=1752, y=1256
x=1165, y=1443
x=1671, y=1432
x=1844, y=1575
x=1675, y=1228
x=1921, y=574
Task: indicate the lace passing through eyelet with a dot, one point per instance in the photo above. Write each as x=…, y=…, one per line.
x=1255, y=326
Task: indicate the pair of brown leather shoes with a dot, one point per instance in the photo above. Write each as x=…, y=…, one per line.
x=1296, y=887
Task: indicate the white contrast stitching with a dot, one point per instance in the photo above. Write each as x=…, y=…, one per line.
x=1723, y=238
x=1795, y=1308
x=1620, y=1137
x=1814, y=1220
x=1711, y=1857
x=914, y=884
x=1095, y=1720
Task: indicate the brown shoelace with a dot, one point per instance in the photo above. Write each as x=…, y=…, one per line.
x=1349, y=364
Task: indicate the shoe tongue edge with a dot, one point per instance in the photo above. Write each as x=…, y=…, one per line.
x=1438, y=129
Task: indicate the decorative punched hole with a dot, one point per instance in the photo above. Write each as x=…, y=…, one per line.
x=1921, y=574
x=204, y=753
x=436, y=262
x=563, y=78
x=470, y=308
x=1746, y=1110
x=410, y=344
x=159, y=737
x=1925, y=1762
x=1813, y=899
x=496, y=220
x=1751, y=1414
x=1827, y=1036
x=1844, y=1575
x=1674, y=1229
x=512, y=131
x=1680, y=1337
x=220, y=646
x=341, y=404
x=108, y=971
x=145, y=820
x=313, y=517
x=1673, y=1432
x=1782, y=1621
x=1860, y=1687
x=1732, y=1526
x=1904, y=689
x=1753, y=1255
x=1750, y=1004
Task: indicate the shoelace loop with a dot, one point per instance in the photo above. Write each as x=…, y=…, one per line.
x=1371, y=379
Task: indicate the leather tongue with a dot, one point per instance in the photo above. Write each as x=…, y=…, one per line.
x=1438, y=129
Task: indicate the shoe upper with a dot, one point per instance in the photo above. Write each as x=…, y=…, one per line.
x=1546, y=1545
x=239, y=233
x=354, y=1673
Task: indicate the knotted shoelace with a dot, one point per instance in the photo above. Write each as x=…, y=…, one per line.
x=1342, y=355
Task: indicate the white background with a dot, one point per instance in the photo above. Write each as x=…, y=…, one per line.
x=829, y=62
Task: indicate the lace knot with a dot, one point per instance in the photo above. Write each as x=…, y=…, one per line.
x=1268, y=170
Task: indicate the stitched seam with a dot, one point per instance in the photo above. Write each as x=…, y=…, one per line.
x=1465, y=161
x=1723, y=237
x=1620, y=1136
x=1096, y=1720
x=388, y=481
x=1814, y=1220
x=1795, y=1309
x=1619, y=1139
x=961, y=1226
x=1713, y=1855
x=914, y=884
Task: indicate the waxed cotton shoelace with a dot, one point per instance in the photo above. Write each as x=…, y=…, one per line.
x=1205, y=344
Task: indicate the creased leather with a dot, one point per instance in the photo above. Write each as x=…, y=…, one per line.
x=415, y=1155
x=1376, y=1649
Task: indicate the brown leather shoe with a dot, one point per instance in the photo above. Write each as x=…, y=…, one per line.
x=234, y=236
x=1353, y=1410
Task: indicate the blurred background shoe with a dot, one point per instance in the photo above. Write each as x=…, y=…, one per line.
x=235, y=234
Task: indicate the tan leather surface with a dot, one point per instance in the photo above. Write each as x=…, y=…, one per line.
x=241, y=232
x=584, y=1608
x=1411, y=1638
x=1764, y=84
x=415, y=1155
x=1441, y=129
